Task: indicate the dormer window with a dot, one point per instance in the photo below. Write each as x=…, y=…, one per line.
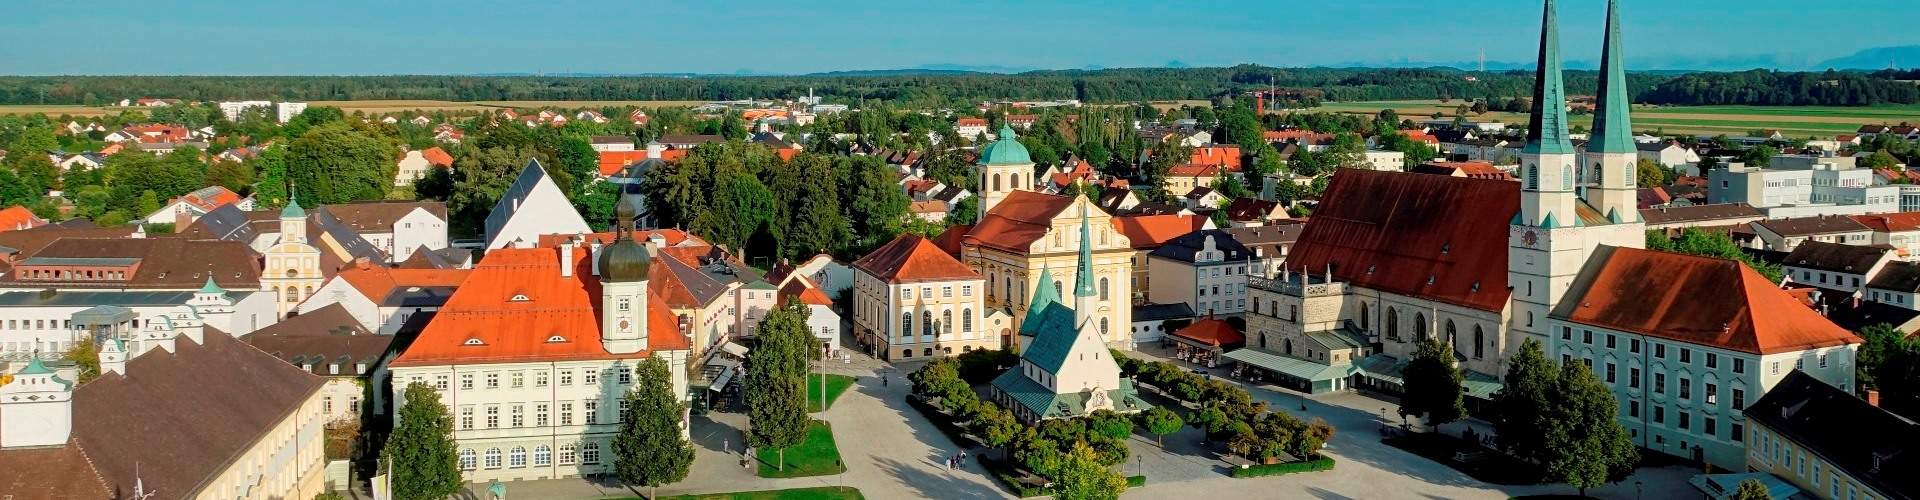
x=474, y=341
x=519, y=298
x=556, y=339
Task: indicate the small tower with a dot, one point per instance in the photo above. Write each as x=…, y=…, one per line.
x=1546, y=163
x=1611, y=155
x=624, y=265
x=113, y=357
x=1005, y=167
x=293, y=222
x=36, y=409
x=1086, y=309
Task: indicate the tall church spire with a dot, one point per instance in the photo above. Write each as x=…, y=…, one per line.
x=1083, y=276
x=1547, y=128
x=1612, y=128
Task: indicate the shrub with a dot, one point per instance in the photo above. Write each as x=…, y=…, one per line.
x=1315, y=465
x=1136, y=481
x=1006, y=474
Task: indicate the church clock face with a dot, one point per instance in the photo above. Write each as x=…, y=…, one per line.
x=1530, y=238
x=626, y=325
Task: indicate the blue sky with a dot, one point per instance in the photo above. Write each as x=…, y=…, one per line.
x=231, y=37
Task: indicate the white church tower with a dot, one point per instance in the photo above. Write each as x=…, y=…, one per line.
x=1545, y=244
x=36, y=409
x=1612, y=158
x=624, y=265
x=1005, y=167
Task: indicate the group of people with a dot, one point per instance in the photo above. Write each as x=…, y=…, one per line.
x=957, y=461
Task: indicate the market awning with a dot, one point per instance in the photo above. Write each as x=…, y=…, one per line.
x=720, y=382
x=1723, y=486
x=734, y=349
x=1481, y=385
x=1295, y=367
x=725, y=363
x=1389, y=369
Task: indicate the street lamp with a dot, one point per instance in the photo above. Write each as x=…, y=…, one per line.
x=1636, y=490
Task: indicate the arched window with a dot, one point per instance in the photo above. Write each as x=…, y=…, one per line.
x=1103, y=326
x=946, y=322
x=542, y=456
x=1479, y=342
x=567, y=454
x=1393, y=323
x=590, y=453
x=1453, y=335
x=1627, y=175
x=517, y=457
x=1363, y=315
x=996, y=182
x=1566, y=178
x=1058, y=289
x=493, y=458
x=293, y=294
x=1598, y=176
x=926, y=322
x=1103, y=288
x=966, y=320
x=469, y=460
x=309, y=291
x=1420, y=326
x=1289, y=345
x=1009, y=293
x=1533, y=177
x=993, y=281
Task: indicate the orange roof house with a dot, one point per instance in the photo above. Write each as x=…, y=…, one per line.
x=517, y=307
x=438, y=157
x=1211, y=332
x=911, y=258
x=1425, y=236
x=1148, y=232
x=1225, y=155
x=18, y=217
x=1881, y=223
x=1654, y=294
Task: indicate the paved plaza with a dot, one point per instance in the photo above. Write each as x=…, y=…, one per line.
x=893, y=453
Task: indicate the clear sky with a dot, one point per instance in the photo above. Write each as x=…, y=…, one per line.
x=232, y=37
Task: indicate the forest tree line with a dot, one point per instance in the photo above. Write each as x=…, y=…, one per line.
x=944, y=89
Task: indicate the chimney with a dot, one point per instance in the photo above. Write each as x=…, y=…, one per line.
x=113, y=357
x=1873, y=397
x=566, y=256
x=592, y=250
x=655, y=149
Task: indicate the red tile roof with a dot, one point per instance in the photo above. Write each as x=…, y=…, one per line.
x=1147, y=232
x=509, y=330
x=612, y=161
x=977, y=122
x=375, y=281
x=1227, y=155
x=1191, y=170
x=1426, y=236
x=949, y=241
x=1017, y=221
x=18, y=217
x=208, y=198
x=1285, y=135
x=911, y=258
x=1652, y=293
x=1213, y=332
x=1422, y=136
x=437, y=156
x=801, y=289
x=669, y=237
x=1893, y=222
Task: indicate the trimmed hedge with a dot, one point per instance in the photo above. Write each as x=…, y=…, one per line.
x=1136, y=481
x=1004, y=473
x=1315, y=465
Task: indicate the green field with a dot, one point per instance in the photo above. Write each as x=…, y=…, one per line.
x=1793, y=121
x=816, y=493
x=818, y=455
x=836, y=385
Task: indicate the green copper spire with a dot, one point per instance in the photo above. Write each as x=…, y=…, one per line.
x=1612, y=128
x=1043, y=297
x=1083, y=276
x=1547, y=128
x=210, y=288
x=293, y=210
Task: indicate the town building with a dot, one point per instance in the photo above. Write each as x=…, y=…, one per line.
x=532, y=206
x=381, y=298
x=1721, y=215
x=611, y=143
x=189, y=207
x=46, y=324
x=1836, y=267
x=1066, y=369
x=1822, y=442
x=1783, y=235
x=1811, y=186
x=1153, y=322
x=163, y=421
x=1683, y=366
x=397, y=228
x=1146, y=233
x=536, y=349
x=1206, y=269
x=910, y=299
x=287, y=110
x=330, y=343
x=17, y=217
x=291, y=268
x=1204, y=341
x=1900, y=231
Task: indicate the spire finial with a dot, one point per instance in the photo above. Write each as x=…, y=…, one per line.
x=1547, y=126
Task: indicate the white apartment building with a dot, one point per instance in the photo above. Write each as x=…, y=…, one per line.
x=1681, y=367
x=233, y=109
x=1801, y=186
x=287, y=110
x=912, y=300
x=1205, y=269
x=1387, y=160
x=1835, y=266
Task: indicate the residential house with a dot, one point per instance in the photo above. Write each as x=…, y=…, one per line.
x=1270, y=244
x=329, y=343
x=938, y=303
x=1901, y=231
x=1897, y=284
x=1207, y=269
x=397, y=228
x=1022, y=122
x=17, y=217
x=1249, y=212
x=1782, y=235
x=1671, y=154
x=688, y=141
x=382, y=299
x=934, y=211
x=1677, y=217
x=1835, y=266
x=533, y=354
x=590, y=116
x=1393, y=161
x=1146, y=233
x=1823, y=441
x=1684, y=366
x=532, y=206
x=81, y=161
x=638, y=117
x=611, y=143
x=162, y=421
x=971, y=129
x=1203, y=198
x=1183, y=178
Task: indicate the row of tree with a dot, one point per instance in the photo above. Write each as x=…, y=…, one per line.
x=1076, y=454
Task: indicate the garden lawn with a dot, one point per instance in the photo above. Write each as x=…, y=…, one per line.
x=819, y=493
x=1495, y=467
x=815, y=456
x=836, y=385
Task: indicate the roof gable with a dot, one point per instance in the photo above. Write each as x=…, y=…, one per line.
x=912, y=258
x=1427, y=236
x=1654, y=293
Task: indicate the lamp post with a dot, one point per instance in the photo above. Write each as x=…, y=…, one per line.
x=1636, y=490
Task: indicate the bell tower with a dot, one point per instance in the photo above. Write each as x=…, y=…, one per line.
x=1005, y=167
x=1547, y=243
x=624, y=265
x=1612, y=158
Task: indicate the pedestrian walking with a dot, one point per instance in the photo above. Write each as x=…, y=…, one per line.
x=963, y=458
x=883, y=381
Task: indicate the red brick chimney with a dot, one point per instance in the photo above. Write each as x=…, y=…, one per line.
x=1873, y=397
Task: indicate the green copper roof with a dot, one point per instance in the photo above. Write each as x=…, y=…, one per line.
x=1547, y=128
x=1549, y=223
x=1083, y=275
x=34, y=367
x=1612, y=127
x=1516, y=220
x=293, y=210
x=1006, y=150
x=211, y=288
x=1613, y=215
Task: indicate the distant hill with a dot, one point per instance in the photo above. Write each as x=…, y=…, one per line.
x=1905, y=56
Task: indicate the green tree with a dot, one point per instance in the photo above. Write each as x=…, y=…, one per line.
x=338, y=163
x=1161, y=422
x=13, y=191
x=1889, y=360
x=997, y=427
x=421, y=449
x=579, y=161
x=742, y=207
x=1880, y=160
x=1083, y=477
x=1650, y=173
x=34, y=140
x=1527, y=393
x=37, y=172
x=1759, y=156
x=650, y=450
x=1585, y=444
x=597, y=204
x=231, y=175
x=1433, y=384
x=1693, y=241
x=271, y=170
x=148, y=203
x=1751, y=489
x=776, y=384
x=86, y=357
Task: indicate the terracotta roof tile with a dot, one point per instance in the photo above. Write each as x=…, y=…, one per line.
x=1656, y=294
x=375, y=282
x=438, y=157
x=1893, y=222
x=18, y=217
x=1214, y=332
x=1017, y=221
x=911, y=258
x=1147, y=232
x=1427, y=236
x=515, y=300
x=949, y=241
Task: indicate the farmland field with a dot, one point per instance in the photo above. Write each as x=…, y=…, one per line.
x=1792, y=121
x=370, y=107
